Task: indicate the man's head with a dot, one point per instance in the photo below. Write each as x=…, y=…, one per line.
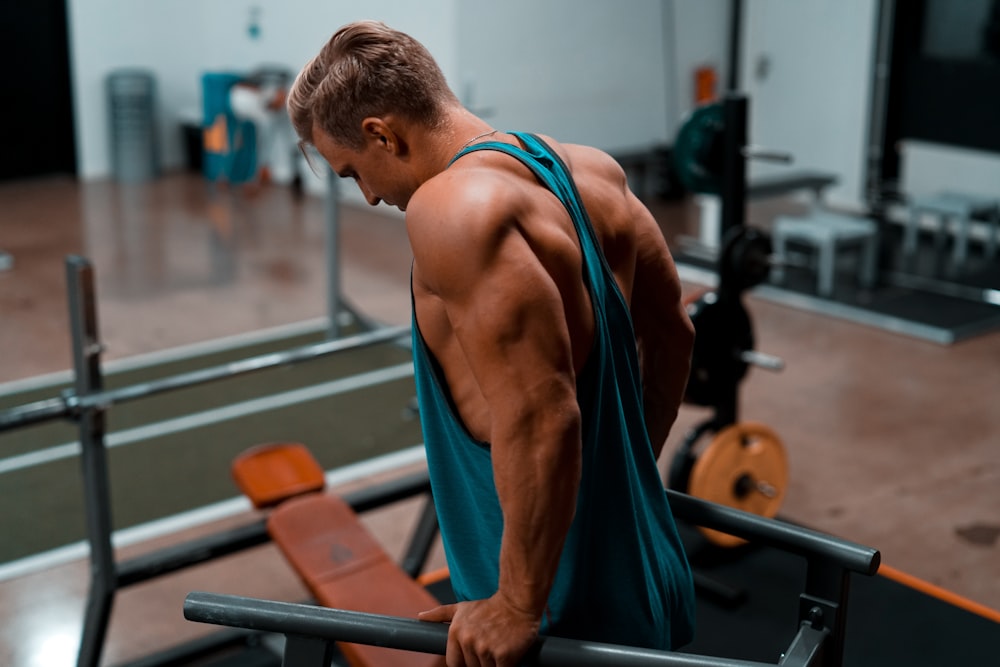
x=367, y=70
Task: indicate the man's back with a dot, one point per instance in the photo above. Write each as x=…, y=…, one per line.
x=506, y=224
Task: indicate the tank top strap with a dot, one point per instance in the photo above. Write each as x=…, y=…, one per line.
x=553, y=173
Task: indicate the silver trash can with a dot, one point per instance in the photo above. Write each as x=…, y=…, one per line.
x=132, y=106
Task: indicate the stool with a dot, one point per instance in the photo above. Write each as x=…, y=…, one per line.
x=827, y=233
x=960, y=207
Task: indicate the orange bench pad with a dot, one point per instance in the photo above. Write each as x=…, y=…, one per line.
x=271, y=473
x=344, y=567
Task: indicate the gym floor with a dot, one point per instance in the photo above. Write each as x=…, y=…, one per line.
x=892, y=441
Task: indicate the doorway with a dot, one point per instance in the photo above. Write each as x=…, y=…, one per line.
x=37, y=132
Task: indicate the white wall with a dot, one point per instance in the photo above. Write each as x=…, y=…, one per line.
x=589, y=72
x=617, y=75
x=179, y=40
x=697, y=35
x=928, y=168
x=581, y=70
x=807, y=67
x=814, y=99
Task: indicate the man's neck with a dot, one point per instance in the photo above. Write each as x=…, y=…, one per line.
x=460, y=129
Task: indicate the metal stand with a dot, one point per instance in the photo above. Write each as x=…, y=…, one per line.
x=734, y=167
x=311, y=631
x=339, y=309
x=86, y=405
x=96, y=487
x=332, y=215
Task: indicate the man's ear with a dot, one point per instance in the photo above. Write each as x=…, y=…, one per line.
x=379, y=133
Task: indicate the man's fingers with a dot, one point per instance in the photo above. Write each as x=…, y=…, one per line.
x=455, y=655
x=442, y=614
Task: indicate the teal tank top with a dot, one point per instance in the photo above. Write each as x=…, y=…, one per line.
x=623, y=576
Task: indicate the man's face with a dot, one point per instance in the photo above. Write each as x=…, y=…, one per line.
x=374, y=168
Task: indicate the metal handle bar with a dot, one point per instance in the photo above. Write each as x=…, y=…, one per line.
x=33, y=413
x=763, y=360
x=70, y=403
x=412, y=635
x=785, y=536
x=766, y=154
x=242, y=367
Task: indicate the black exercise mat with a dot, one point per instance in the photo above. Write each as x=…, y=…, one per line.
x=888, y=623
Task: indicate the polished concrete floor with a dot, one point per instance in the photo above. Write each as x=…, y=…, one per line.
x=892, y=442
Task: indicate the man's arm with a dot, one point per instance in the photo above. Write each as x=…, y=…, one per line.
x=664, y=332
x=508, y=317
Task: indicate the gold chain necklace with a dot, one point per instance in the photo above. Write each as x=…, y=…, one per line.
x=476, y=138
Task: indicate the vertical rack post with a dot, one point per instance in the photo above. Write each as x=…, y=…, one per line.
x=733, y=194
x=332, y=211
x=96, y=488
x=735, y=43
x=823, y=605
x=734, y=170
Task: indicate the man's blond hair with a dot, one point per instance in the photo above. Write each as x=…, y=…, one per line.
x=367, y=69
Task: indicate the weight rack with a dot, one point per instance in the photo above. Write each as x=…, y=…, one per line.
x=87, y=403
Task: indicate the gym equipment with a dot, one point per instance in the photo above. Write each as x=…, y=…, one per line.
x=710, y=156
x=722, y=334
x=827, y=233
x=745, y=261
x=724, y=341
x=322, y=538
x=712, y=136
x=744, y=465
x=776, y=185
x=86, y=405
x=819, y=640
x=961, y=207
x=72, y=404
x=309, y=632
x=698, y=150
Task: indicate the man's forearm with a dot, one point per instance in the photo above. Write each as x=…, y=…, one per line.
x=538, y=493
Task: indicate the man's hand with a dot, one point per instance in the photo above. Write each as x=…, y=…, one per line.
x=485, y=633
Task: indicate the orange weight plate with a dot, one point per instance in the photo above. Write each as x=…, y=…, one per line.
x=744, y=467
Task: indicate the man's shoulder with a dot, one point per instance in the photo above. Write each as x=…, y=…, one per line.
x=463, y=192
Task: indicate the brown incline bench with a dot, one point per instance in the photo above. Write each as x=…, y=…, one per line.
x=336, y=557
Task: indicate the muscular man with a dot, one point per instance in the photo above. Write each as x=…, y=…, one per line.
x=551, y=352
